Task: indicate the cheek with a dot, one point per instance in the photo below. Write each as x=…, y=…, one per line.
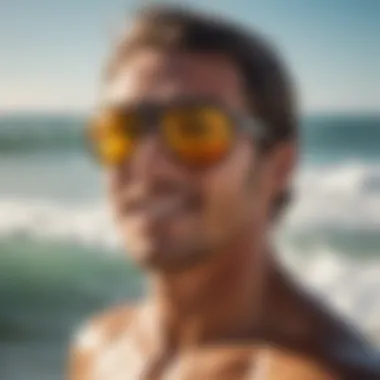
x=228, y=193
x=114, y=185
x=223, y=192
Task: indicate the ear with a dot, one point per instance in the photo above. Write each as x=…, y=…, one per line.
x=282, y=164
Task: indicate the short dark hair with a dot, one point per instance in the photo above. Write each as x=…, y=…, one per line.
x=268, y=86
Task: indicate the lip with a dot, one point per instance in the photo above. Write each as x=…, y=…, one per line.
x=154, y=207
x=160, y=208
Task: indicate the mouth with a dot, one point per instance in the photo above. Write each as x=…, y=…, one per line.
x=161, y=208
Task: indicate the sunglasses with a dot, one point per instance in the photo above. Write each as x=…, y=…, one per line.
x=197, y=134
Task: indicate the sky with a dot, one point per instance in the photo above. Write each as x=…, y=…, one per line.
x=51, y=52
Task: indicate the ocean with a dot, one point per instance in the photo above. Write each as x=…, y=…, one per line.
x=60, y=259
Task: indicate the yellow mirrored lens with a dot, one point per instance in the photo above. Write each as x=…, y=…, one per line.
x=106, y=124
x=114, y=150
x=114, y=136
x=199, y=136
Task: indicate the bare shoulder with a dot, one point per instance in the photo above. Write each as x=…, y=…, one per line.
x=93, y=336
x=287, y=365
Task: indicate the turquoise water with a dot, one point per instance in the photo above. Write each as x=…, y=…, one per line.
x=59, y=255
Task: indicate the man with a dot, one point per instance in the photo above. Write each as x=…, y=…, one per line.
x=197, y=132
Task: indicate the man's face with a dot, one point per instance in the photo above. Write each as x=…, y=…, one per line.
x=172, y=217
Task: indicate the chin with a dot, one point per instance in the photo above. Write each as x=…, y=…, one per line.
x=166, y=258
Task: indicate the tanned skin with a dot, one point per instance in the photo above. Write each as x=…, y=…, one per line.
x=220, y=307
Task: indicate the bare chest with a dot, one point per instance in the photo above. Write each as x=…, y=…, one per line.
x=210, y=364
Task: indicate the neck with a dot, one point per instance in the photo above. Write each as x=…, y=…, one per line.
x=222, y=299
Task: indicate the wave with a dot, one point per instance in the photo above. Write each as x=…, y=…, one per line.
x=347, y=195
x=44, y=220
x=340, y=199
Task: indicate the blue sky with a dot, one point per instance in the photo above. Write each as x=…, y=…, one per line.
x=52, y=51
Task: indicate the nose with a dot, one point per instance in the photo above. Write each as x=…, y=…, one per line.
x=149, y=161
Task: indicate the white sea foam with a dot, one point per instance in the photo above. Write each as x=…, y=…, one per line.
x=343, y=196
x=85, y=224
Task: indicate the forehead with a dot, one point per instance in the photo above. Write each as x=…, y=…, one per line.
x=151, y=75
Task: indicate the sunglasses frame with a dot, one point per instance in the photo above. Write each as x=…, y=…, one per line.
x=150, y=114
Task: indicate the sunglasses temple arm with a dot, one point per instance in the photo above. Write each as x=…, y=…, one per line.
x=256, y=129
